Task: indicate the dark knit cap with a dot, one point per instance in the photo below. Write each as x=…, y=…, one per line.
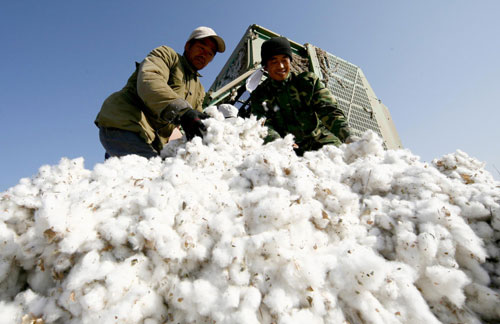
x=275, y=46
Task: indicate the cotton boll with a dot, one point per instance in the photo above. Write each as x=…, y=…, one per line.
x=227, y=110
x=151, y=321
x=199, y=295
x=180, y=295
x=446, y=254
x=483, y=230
x=267, y=207
x=462, y=167
x=336, y=315
x=159, y=217
x=24, y=194
x=371, y=309
x=472, y=266
x=171, y=149
x=88, y=269
x=67, y=300
x=279, y=301
x=383, y=244
x=152, y=231
x=228, y=223
x=301, y=316
x=168, y=244
x=146, y=303
x=243, y=316
x=52, y=312
x=124, y=273
x=327, y=163
x=6, y=266
x=428, y=243
x=222, y=256
x=406, y=247
x=372, y=177
x=467, y=240
x=31, y=303
x=239, y=274
x=230, y=298
x=125, y=296
x=363, y=270
x=475, y=209
x=80, y=232
x=251, y=298
x=11, y=312
x=447, y=312
x=53, y=213
x=40, y=280
x=9, y=245
x=369, y=144
x=310, y=269
x=94, y=298
x=483, y=300
x=442, y=282
x=115, y=230
x=217, y=111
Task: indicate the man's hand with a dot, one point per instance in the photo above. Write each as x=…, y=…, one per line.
x=191, y=123
x=174, y=109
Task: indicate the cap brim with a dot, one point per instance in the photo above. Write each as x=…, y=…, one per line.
x=221, y=46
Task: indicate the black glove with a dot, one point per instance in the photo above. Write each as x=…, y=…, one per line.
x=174, y=109
x=192, y=124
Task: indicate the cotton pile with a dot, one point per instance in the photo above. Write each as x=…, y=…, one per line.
x=225, y=229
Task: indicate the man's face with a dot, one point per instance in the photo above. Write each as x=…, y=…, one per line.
x=278, y=67
x=200, y=52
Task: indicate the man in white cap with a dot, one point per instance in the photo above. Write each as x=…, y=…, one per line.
x=164, y=92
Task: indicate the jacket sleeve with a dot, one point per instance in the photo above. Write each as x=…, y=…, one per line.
x=199, y=105
x=152, y=81
x=328, y=111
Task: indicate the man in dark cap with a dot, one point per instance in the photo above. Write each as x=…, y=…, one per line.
x=297, y=104
x=163, y=92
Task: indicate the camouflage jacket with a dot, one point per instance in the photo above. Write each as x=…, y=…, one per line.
x=301, y=105
x=140, y=106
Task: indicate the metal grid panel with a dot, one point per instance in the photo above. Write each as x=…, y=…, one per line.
x=343, y=80
x=362, y=121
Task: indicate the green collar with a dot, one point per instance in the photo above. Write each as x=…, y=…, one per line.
x=280, y=84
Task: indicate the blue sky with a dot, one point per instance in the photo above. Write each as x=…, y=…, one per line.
x=435, y=65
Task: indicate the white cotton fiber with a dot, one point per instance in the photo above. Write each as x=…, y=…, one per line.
x=302, y=316
x=231, y=298
x=226, y=229
x=93, y=298
x=205, y=295
x=244, y=316
x=11, y=313
x=442, y=282
x=279, y=301
x=484, y=301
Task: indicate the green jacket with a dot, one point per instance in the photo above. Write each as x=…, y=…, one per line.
x=140, y=106
x=300, y=105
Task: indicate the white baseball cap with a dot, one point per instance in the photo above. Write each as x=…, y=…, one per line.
x=203, y=32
